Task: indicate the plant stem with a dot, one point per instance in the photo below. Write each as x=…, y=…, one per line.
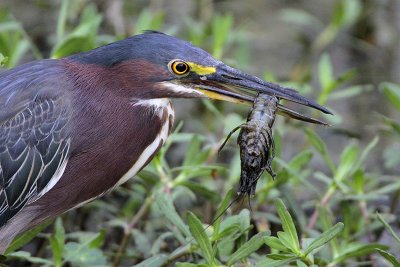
x=324, y=201
x=306, y=260
x=128, y=230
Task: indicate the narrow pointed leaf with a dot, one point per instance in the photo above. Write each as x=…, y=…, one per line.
x=287, y=223
x=57, y=242
x=392, y=93
x=185, y=264
x=358, y=250
x=275, y=263
x=26, y=237
x=326, y=78
x=285, y=239
x=155, y=261
x=324, y=238
x=389, y=257
x=275, y=243
x=98, y=239
x=221, y=209
x=348, y=160
x=301, y=264
x=197, y=230
x=249, y=247
x=166, y=206
x=320, y=146
x=26, y=256
x=389, y=228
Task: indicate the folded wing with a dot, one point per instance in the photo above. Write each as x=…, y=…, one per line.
x=34, y=145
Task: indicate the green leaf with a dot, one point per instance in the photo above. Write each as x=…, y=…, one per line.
x=221, y=28
x=83, y=36
x=393, y=124
x=287, y=224
x=155, y=261
x=320, y=146
x=249, y=247
x=62, y=18
x=222, y=208
x=148, y=20
x=316, y=141
x=57, y=240
x=300, y=160
x=197, y=230
x=27, y=256
x=392, y=156
x=275, y=263
x=351, y=91
x=26, y=237
x=301, y=264
x=352, y=10
x=324, y=238
x=351, y=161
x=72, y=45
x=3, y=59
x=164, y=202
x=194, y=155
x=197, y=170
x=326, y=76
x=244, y=219
x=201, y=190
x=236, y=220
x=389, y=228
x=185, y=264
x=299, y=17
x=228, y=231
x=347, y=162
x=98, y=240
x=392, y=94
x=389, y=257
x=19, y=51
x=275, y=243
x=357, y=250
x=79, y=254
x=349, y=155
x=9, y=26
x=286, y=240
x=366, y=152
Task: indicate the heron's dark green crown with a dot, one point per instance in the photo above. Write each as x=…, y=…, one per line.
x=152, y=46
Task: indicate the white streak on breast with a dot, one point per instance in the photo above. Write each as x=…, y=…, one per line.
x=157, y=106
x=162, y=104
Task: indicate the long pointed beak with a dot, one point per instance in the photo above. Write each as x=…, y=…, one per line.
x=233, y=85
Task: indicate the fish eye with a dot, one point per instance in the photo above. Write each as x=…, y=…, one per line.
x=179, y=67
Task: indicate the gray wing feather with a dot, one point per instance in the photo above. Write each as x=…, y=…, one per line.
x=34, y=146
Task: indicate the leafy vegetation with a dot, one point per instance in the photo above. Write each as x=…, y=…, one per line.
x=321, y=209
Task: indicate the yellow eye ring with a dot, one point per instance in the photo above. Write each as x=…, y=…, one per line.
x=179, y=67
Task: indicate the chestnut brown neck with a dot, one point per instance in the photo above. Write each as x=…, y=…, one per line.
x=132, y=79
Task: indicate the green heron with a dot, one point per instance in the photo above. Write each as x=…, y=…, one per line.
x=72, y=129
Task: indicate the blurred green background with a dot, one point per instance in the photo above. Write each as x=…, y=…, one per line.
x=343, y=53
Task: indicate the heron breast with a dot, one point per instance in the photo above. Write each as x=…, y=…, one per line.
x=163, y=109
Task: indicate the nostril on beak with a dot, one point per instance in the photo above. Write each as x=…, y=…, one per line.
x=230, y=77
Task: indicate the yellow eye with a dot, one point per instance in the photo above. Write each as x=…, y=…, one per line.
x=179, y=67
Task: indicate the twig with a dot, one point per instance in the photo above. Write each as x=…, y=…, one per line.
x=324, y=201
x=364, y=212
x=128, y=230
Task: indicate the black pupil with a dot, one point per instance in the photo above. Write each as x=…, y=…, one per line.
x=181, y=67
